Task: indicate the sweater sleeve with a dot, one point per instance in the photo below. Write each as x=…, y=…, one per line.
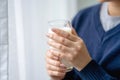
x=72, y=75
x=93, y=71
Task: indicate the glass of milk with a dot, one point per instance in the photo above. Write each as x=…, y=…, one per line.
x=63, y=25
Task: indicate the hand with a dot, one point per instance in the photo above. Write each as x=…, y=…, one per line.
x=71, y=47
x=55, y=68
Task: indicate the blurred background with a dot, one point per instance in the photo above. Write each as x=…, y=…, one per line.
x=27, y=33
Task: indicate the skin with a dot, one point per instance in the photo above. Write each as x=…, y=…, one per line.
x=71, y=47
x=113, y=7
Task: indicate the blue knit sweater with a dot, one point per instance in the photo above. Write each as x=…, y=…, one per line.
x=104, y=47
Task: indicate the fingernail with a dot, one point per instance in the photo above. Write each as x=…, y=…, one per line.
x=54, y=29
x=62, y=65
x=56, y=58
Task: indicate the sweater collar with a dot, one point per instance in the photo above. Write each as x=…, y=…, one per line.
x=101, y=32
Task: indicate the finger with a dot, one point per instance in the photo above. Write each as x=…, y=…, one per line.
x=68, y=57
x=56, y=73
x=55, y=68
x=74, y=32
x=60, y=39
x=56, y=62
x=52, y=55
x=64, y=34
x=53, y=62
x=59, y=46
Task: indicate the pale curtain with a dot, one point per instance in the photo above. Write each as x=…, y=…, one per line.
x=27, y=29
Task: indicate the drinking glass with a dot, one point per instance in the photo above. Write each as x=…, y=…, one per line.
x=66, y=26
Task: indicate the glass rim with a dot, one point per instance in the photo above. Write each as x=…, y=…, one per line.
x=59, y=21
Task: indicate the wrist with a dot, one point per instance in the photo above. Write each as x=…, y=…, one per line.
x=85, y=63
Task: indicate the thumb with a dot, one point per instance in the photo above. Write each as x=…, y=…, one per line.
x=74, y=32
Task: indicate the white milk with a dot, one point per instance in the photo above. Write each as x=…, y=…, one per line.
x=65, y=62
x=67, y=29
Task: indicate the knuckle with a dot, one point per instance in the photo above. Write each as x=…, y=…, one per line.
x=60, y=46
x=78, y=48
x=71, y=58
x=67, y=35
x=57, y=54
x=81, y=41
x=62, y=40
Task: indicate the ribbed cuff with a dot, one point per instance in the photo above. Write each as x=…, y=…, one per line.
x=69, y=75
x=92, y=72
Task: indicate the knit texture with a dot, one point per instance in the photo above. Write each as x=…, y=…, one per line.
x=104, y=47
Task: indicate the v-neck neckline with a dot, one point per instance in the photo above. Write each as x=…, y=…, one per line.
x=101, y=32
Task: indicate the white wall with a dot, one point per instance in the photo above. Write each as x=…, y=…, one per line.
x=86, y=3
